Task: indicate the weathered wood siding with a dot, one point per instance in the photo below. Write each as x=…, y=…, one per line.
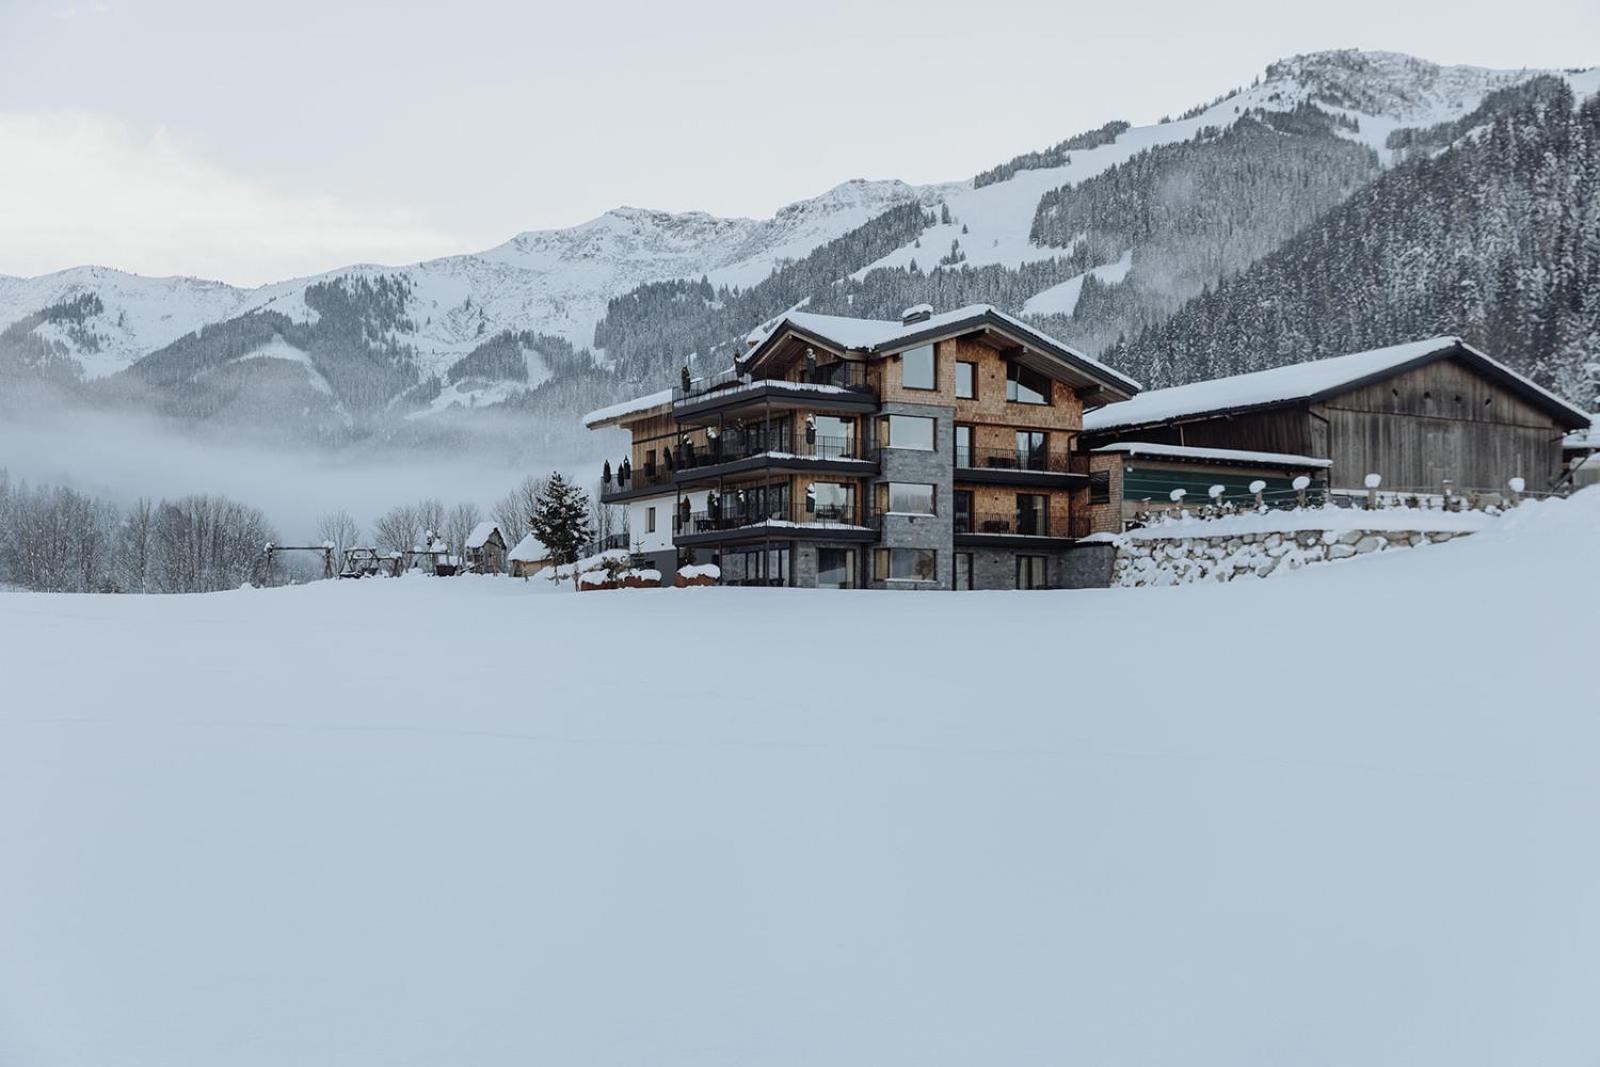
x=1440, y=421
x=1286, y=429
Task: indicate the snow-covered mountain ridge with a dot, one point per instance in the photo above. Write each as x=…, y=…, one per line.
x=1023, y=237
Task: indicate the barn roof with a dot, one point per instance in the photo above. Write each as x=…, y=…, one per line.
x=481, y=533
x=1317, y=380
x=528, y=550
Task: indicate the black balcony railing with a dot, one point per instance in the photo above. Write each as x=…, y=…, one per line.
x=851, y=376
x=625, y=478
x=604, y=544
x=737, y=445
x=1010, y=523
x=735, y=517
x=1012, y=459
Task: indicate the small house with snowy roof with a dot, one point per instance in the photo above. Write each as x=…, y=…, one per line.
x=485, y=549
x=528, y=557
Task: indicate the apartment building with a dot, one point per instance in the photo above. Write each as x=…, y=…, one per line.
x=933, y=452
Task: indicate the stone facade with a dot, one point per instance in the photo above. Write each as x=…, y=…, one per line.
x=934, y=468
x=1181, y=560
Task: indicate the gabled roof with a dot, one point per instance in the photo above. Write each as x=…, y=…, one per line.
x=882, y=337
x=1314, y=381
x=529, y=550
x=481, y=533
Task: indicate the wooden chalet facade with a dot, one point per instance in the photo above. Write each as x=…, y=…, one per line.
x=485, y=550
x=936, y=452
x=1427, y=417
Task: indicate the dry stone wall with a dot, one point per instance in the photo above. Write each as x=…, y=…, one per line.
x=1180, y=560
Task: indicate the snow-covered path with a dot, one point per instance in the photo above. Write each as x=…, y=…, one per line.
x=1342, y=817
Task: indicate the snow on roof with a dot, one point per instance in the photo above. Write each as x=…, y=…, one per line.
x=876, y=335
x=1584, y=439
x=480, y=534
x=1298, y=381
x=529, y=550
x=600, y=416
x=1280, y=459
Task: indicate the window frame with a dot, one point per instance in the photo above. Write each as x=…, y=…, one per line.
x=650, y=519
x=933, y=368
x=971, y=368
x=886, y=492
x=883, y=565
x=1014, y=386
x=886, y=432
x=1032, y=560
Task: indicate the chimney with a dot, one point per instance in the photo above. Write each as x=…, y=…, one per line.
x=916, y=313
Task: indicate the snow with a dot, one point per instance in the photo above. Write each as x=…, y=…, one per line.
x=1587, y=438
x=528, y=550
x=286, y=860
x=480, y=534
x=1236, y=455
x=1296, y=381
x=278, y=348
x=701, y=570
x=1348, y=824
x=600, y=416
x=1063, y=299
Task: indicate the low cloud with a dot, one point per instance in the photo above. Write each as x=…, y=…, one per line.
x=80, y=188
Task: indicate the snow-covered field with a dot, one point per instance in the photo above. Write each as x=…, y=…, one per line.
x=1342, y=817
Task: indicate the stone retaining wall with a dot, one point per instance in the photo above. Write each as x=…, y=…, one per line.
x=1178, y=560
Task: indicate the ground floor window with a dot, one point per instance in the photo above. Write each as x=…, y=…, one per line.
x=906, y=565
x=836, y=568
x=963, y=570
x=759, y=566
x=1031, y=571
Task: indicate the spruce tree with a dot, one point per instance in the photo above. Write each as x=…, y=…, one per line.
x=560, y=521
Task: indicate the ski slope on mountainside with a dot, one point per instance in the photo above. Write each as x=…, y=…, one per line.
x=1342, y=816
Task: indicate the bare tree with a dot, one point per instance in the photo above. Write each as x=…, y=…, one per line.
x=134, y=546
x=208, y=542
x=458, y=525
x=515, y=509
x=340, y=530
x=398, y=529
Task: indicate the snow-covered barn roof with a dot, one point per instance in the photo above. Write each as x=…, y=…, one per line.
x=1584, y=440
x=881, y=337
x=1221, y=455
x=481, y=533
x=529, y=550
x=608, y=416
x=1316, y=380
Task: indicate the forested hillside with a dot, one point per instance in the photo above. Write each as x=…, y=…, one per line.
x=1496, y=238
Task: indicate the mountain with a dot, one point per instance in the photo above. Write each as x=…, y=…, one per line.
x=1111, y=234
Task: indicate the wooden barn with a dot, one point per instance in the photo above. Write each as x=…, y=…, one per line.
x=1426, y=416
x=485, y=549
x=528, y=558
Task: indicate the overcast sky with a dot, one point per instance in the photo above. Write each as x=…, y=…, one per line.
x=253, y=141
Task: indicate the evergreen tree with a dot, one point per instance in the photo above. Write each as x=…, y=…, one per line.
x=560, y=520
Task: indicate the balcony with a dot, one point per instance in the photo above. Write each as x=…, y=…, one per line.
x=737, y=453
x=834, y=522
x=639, y=482
x=1007, y=528
x=1016, y=466
x=837, y=387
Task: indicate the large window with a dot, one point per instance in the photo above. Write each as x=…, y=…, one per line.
x=963, y=446
x=906, y=431
x=758, y=567
x=1033, y=514
x=836, y=568
x=1031, y=572
x=967, y=381
x=963, y=570
x=830, y=502
x=1026, y=386
x=1030, y=450
x=962, y=510
x=1099, y=487
x=831, y=437
x=906, y=498
x=917, y=369
x=906, y=565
